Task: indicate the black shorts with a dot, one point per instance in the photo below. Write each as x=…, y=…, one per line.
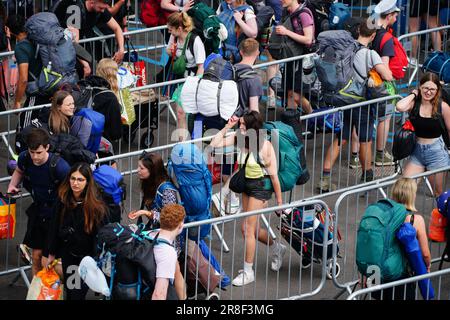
x=292, y=76
x=419, y=7
x=362, y=119
x=260, y=188
x=37, y=230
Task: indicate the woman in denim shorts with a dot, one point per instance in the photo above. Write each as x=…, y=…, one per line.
x=431, y=120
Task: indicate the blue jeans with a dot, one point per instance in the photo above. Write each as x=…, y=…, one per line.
x=431, y=156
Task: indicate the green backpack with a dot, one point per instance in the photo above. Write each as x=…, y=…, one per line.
x=289, y=148
x=376, y=243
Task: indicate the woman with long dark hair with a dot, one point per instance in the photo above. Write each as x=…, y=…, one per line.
x=157, y=191
x=80, y=213
x=261, y=179
x=430, y=117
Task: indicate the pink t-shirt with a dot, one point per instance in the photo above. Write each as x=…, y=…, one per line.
x=306, y=20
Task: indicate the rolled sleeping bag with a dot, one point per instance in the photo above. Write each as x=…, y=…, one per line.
x=407, y=236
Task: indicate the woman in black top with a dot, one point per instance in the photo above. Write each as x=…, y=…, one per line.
x=431, y=120
x=79, y=215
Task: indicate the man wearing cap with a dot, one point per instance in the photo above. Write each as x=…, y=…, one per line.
x=386, y=12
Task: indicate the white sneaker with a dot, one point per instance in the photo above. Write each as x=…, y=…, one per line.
x=219, y=202
x=243, y=278
x=277, y=256
x=232, y=206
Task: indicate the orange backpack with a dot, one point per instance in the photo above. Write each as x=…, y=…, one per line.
x=438, y=224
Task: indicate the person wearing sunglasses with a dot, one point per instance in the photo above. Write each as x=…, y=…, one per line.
x=430, y=117
x=80, y=213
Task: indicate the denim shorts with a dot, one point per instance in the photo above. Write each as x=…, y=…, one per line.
x=431, y=156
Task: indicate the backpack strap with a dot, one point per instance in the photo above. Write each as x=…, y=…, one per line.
x=53, y=163
x=386, y=37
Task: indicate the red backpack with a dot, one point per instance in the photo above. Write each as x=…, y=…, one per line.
x=399, y=61
x=152, y=15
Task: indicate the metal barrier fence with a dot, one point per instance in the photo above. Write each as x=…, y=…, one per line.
x=349, y=209
x=408, y=289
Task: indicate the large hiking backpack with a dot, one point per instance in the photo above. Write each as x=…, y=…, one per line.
x=134, y=250
x=265, y=18
x=216, y=93
x=207, y=25
x=377, y=244
x=56, y=51
x=335, y=69
x=281, y=47
x=152, y=15
x=97, y=124
x=320, y=10
x=289, y=153
x=399, y=62
x=113, y=188
x=339, y=13
x=438, y=63
x=190, y=174
x=227, y=18
x=66, y=145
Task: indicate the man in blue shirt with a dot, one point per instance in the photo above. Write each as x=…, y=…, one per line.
x=41, y=172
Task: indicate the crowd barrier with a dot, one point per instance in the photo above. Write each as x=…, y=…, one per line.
x=398, y=289
x=349, y=209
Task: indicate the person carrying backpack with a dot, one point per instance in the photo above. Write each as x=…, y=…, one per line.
x=430, y=117
x=258, y=179
x=238, y=17
x=158, y=191
x=393, y=54
x=79, y=213
x=359, y=120
x=383, y=238
x=41, y=173
x=185, y=47
x=28, y=63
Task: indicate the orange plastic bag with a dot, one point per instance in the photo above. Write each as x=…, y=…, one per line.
x=438, y=224
x=7, y=217
x=46, y=285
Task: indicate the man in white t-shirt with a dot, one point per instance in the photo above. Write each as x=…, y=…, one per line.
x=171, y=222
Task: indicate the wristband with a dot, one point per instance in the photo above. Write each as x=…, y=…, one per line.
x=415, y=95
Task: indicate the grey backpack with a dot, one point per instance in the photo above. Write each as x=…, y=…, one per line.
x=334, y=67
x=56, y=51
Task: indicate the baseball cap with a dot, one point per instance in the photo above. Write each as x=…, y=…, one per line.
x=386, y=7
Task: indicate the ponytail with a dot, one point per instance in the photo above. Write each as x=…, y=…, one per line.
x=181, y=19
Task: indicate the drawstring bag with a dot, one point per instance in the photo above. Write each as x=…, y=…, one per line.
x=179, y=66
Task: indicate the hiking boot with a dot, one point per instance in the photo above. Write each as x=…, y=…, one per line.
x=243, y=278
x=277, y=256
x=325, y=185
x=384, y=159
x=368, y=177
x=219, y=202
x=25, y=253
x=354, y=162
x=233, y=205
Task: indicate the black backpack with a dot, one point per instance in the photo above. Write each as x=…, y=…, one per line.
x=132, y=246
x=320, y=10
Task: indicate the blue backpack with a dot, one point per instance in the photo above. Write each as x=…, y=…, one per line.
x=113, y=188
x=157, y=202
x=339, y=13
x=97, y=124
x=188, y=168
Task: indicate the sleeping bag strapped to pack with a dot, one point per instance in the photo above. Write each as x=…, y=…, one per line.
x=335, y=69
x=376, y=243
x=216, y=93
x=113, y=188
x=404, y=141
x=56, y=51
x=283, y=139
x=189, y=171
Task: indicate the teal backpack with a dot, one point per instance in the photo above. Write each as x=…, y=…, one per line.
x=376, y=243
x=289, y=150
